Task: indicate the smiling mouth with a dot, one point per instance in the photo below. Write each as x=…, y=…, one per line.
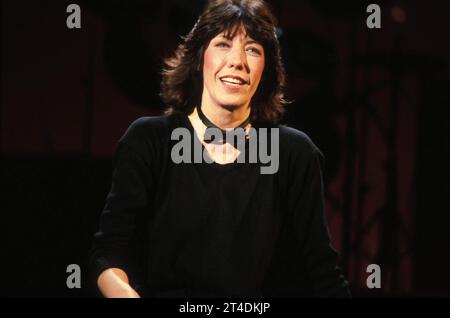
x=233, y=81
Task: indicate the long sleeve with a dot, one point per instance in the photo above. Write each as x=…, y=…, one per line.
x=126, y=204
x=306, y=201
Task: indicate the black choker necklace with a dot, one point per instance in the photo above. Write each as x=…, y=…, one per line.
x=209, y=124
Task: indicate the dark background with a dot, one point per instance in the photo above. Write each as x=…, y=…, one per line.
x=374, y=100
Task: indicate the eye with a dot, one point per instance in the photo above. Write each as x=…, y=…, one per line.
x=222, y=45
x=253, y=50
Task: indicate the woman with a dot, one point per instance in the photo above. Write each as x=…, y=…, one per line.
x=219, y=227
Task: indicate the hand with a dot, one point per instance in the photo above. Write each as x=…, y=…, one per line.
x=113, y=283
x=126, y=292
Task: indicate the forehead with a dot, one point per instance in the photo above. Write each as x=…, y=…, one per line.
x=236, y=31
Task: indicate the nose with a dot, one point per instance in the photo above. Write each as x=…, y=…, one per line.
x=237, y=58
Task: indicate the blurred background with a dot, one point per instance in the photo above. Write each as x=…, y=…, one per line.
x=375, y=101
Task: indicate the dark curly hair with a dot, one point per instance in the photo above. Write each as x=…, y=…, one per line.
x=182, y=84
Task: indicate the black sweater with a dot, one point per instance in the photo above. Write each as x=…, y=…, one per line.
x=207, y=229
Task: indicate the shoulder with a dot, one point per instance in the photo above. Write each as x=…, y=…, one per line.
x=297, y=141
x=149, y=127
x=298, y=154
x=146, y=135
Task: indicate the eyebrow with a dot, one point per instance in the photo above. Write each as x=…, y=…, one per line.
x=251, y=41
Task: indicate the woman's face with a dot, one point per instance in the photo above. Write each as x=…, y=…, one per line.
x=232, y=70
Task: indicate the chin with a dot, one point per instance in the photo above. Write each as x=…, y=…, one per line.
x=233, y=102
x=231, y=106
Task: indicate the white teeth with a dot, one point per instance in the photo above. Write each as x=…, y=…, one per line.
x=232, y=80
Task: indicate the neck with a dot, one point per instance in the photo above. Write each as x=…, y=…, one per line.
x=225, y=116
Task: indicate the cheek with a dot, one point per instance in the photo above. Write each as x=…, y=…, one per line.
x=208, y=62
x=258, y=70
